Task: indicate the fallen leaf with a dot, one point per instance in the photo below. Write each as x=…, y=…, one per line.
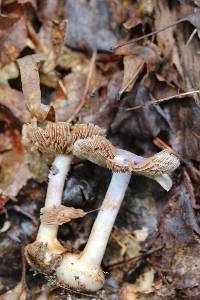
x=149, y=52
x=143, y=123
x=14, y=171
x=9, y=71
x=132, y=22
x=142, y=286
x=15, y=102
x=13, y=35
x=184, y=134
x=31, y=87
x=65, y=103
x=133, y=66
x=178, y=259
x=51, y=37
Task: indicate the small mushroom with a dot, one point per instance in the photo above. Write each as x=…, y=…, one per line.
x=83, y=271
x=56, y=139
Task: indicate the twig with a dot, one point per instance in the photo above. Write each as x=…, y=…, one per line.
x=191, y=36
x=149, y=34
x=162, y=145
x=131, y=259
x=87, y=86
x=155, y=102
x=18, y=209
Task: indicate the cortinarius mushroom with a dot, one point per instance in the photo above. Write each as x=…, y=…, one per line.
x=83, y=271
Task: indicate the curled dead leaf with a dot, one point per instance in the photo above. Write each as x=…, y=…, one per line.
x=31, y=87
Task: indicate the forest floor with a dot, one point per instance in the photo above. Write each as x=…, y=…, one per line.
x=131, y=67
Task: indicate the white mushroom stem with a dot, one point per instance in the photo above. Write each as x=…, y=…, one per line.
x=101, y=230
x=83, y=271
x=48, y=233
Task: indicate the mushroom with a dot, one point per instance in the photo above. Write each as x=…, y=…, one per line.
x=83, y=271
x=54, y=139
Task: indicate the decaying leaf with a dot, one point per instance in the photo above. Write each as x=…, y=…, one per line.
x=133, y=66
x=9, y=71
x=31, y=87
x=178, y=259
x=15, y=102
x=13, y=35
x=137, y=290
x=59, y=215
x=13, y=160
x=51, y=37
x=68, y=95
x=184, y=136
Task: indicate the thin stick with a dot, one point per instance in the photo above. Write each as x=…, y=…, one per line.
x=155, y=102
x=162, y=145
x=149, y=34
x=87, y=86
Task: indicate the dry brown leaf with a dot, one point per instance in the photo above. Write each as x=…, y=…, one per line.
x=51, y=37
x=142, y=286
x=31, y=2
x=13, y=35
x=135, y=58
x=59, y=215
x=14, y=171
x=165, y=39
x=132, y=22
x=149, y=51
x=31, y=87
x=133, y=66
x=73, y=60
x=68, y=95
x=15, y=102
x=9, y=71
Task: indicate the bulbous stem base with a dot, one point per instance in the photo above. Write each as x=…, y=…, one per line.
x=74, y=273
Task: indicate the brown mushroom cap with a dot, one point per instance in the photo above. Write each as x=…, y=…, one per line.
x=97, y=149
x=163, y=162
x=56, y=138
x=59, y=137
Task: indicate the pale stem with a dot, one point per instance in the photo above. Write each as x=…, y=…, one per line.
x=58, y=173
x=101, y=230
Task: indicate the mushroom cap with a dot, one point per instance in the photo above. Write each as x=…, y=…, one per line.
x=163, y=162
x=59, y=137
x=97, y=149
x=55, y=138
